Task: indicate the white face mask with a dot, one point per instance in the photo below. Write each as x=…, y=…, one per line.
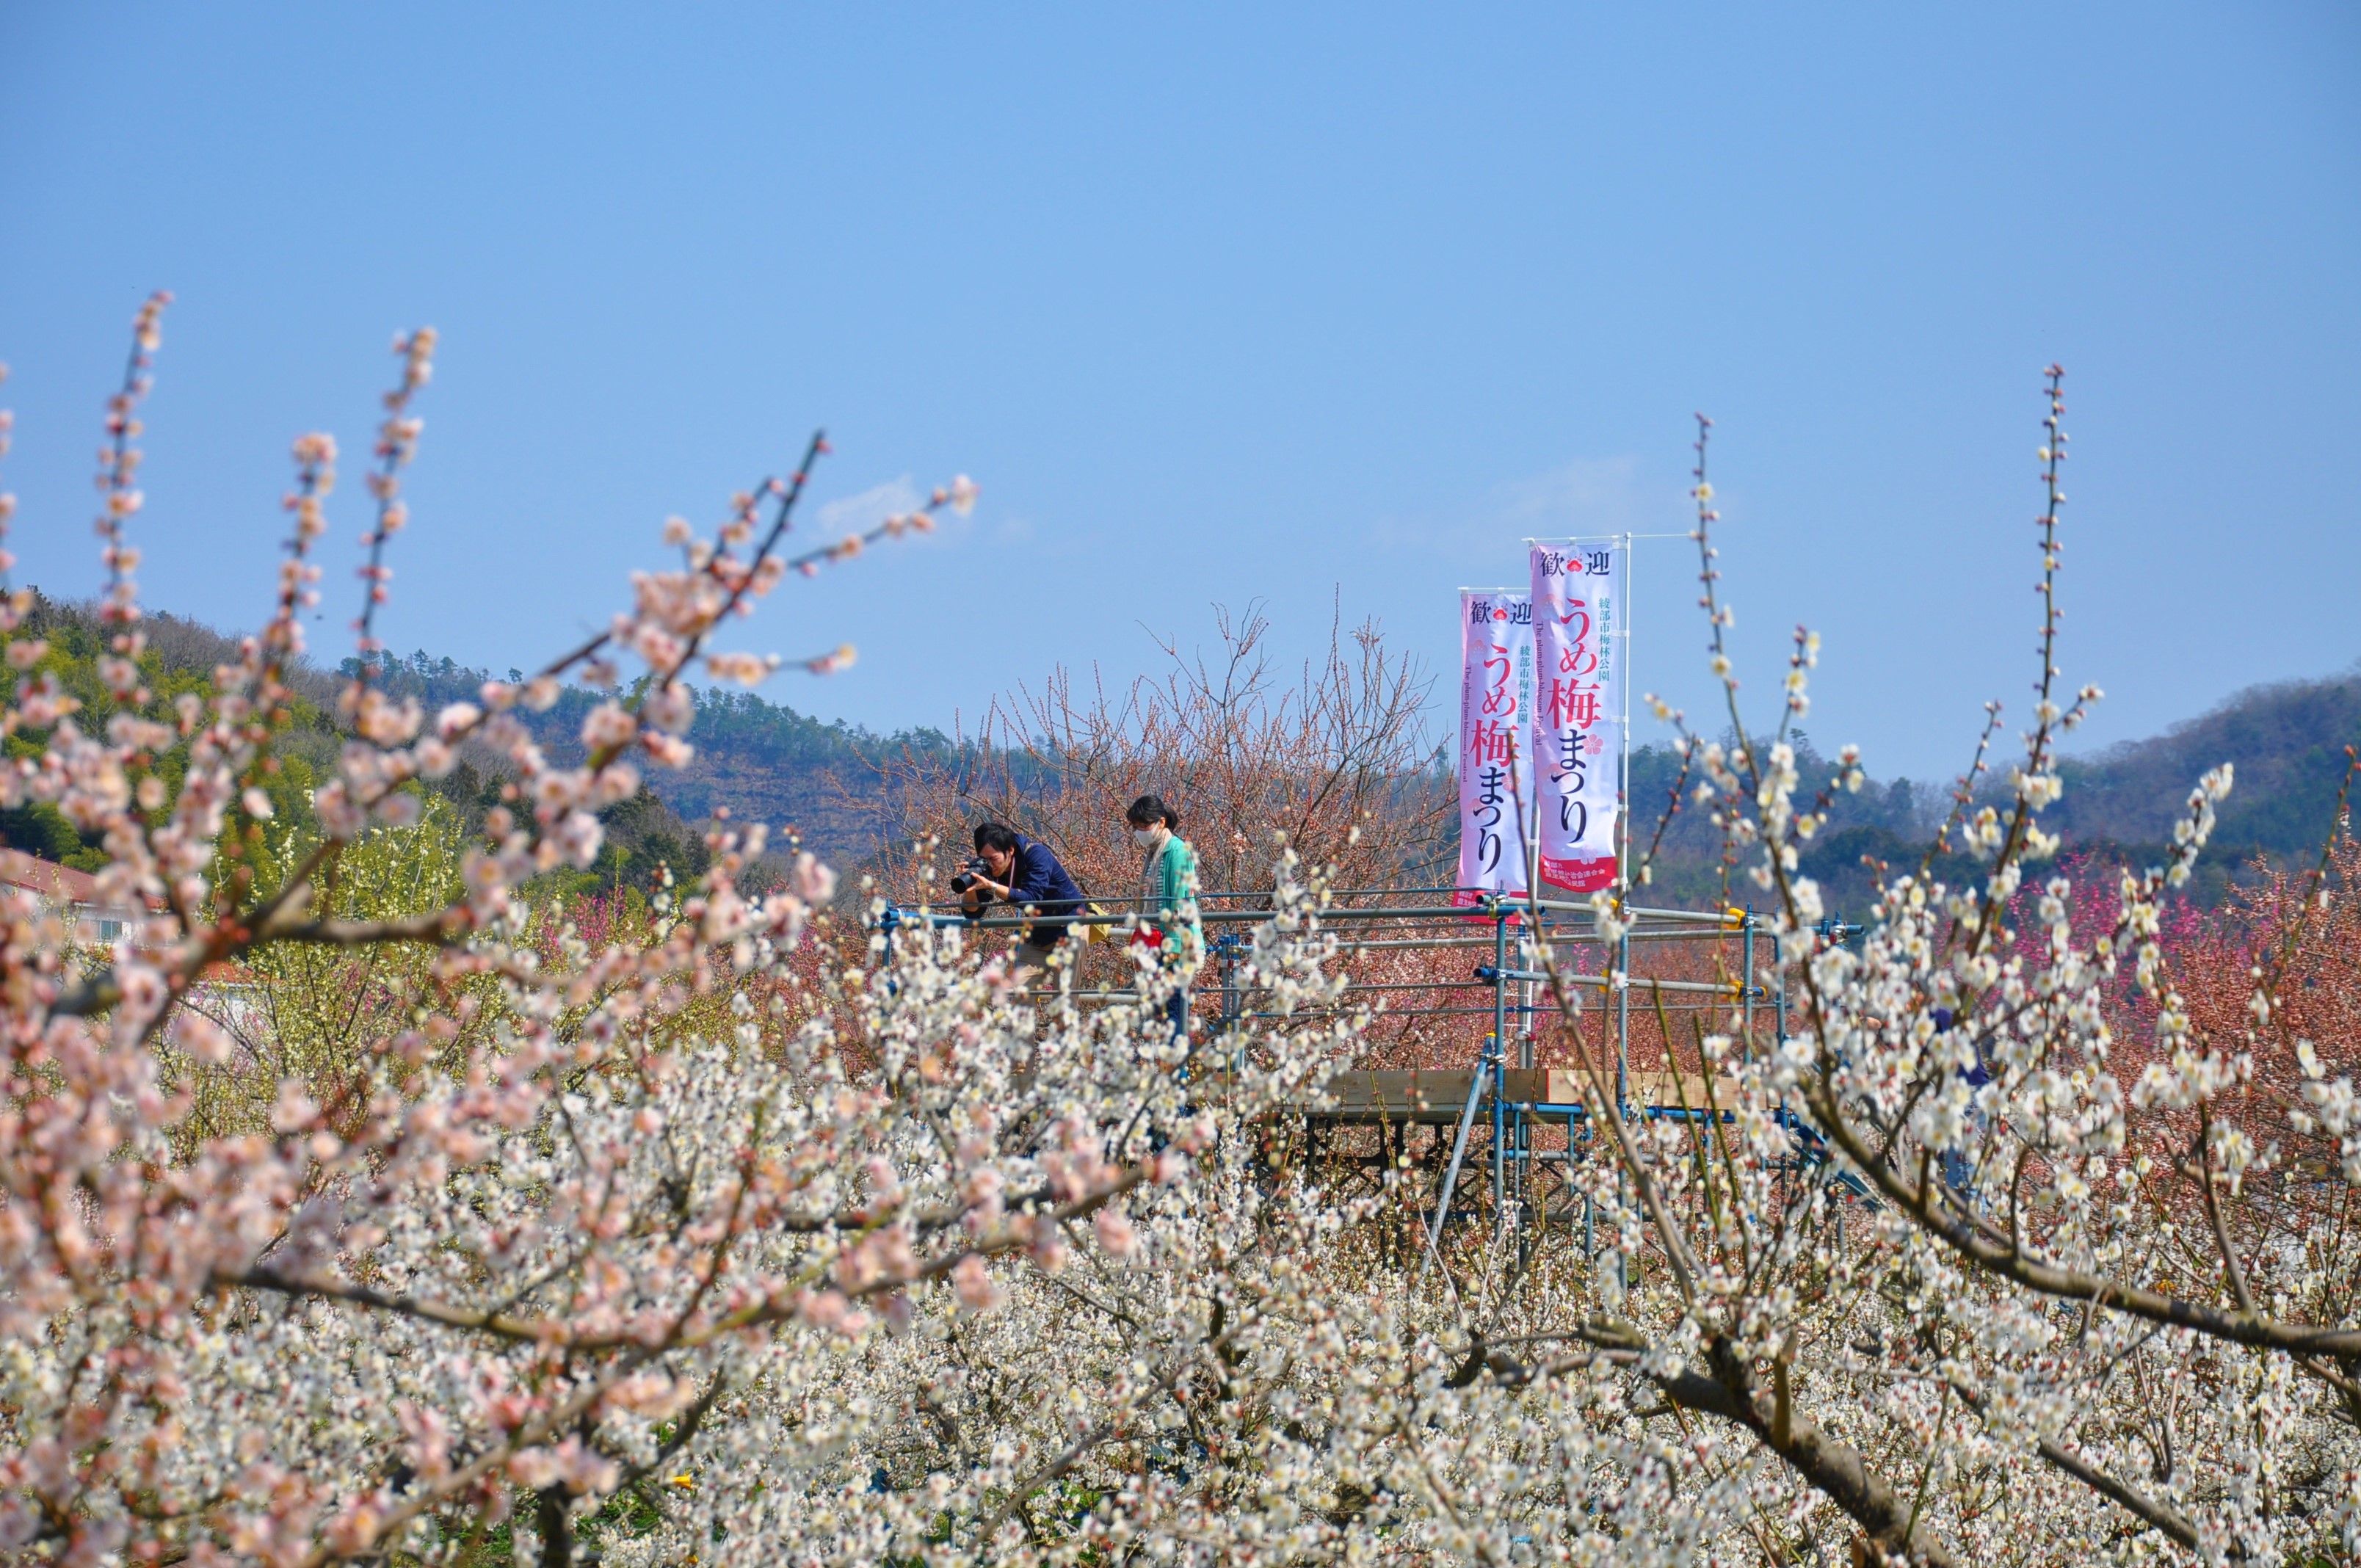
x=1144, y=837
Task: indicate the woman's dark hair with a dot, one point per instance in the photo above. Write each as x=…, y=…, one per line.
x=1150, y=808
x=997, y=835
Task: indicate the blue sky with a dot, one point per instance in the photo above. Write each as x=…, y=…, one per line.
x=1226, y=304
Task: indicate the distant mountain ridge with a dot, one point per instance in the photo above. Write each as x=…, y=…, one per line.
x=762, y=761
x=2285, y=741
x=834, y=784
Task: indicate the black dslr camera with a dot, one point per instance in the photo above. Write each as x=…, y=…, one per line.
x=971, y=872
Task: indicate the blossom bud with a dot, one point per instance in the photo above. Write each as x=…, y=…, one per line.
x=973, y=1280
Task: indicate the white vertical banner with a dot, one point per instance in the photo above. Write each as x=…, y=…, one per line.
x=1496, y=696
x=1578, y=715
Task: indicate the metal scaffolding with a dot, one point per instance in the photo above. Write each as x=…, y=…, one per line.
x=1509, y=981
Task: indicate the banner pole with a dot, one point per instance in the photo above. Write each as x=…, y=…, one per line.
x=1623, y=860
x=1630, y=571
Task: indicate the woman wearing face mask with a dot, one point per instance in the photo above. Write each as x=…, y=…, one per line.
x=1168, y=900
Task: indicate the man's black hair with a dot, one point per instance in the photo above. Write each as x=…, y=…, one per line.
x=995, y=836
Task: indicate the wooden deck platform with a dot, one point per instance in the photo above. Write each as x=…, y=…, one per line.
x=1435, y=1097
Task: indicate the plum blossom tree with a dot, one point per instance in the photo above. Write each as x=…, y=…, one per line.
x=2092, y=1271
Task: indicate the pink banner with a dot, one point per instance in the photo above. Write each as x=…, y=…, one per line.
x=1577, y=714
x=1496, y=689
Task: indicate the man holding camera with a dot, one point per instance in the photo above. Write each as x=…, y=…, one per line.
x=1011, y=869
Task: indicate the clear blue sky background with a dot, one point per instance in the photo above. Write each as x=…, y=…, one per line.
x=1226, y=304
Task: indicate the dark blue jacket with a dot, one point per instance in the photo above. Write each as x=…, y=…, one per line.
x=1976, y=1074
x=1036, y=882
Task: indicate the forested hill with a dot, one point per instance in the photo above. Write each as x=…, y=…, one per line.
x=763, y=760
x=2287, y=743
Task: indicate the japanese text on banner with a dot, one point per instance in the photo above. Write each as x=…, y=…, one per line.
x=1577, y=714
x=1496, y=690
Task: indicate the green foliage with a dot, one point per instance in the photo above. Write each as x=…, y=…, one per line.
x=644, y=839
x=77, y=641
x=178, y=661
x=644, y=833
x=320, y=1013
x=390, y=872
x=42, y=829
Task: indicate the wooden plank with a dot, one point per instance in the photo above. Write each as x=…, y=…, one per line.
x=1659, y=1089
x=1419, y=1094
x=1435, y=1097
x=1564, y=1085
x=1543, y=1086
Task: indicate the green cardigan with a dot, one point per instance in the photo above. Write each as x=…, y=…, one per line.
x=1168, y=890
